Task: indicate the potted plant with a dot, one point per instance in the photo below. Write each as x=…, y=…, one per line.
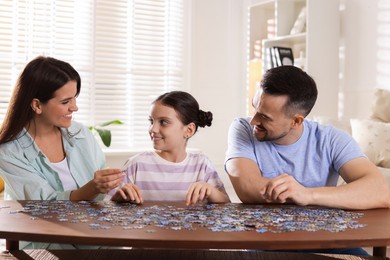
x=105, y=134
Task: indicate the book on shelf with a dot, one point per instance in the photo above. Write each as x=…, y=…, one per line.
x=280, y=56
x=273, y=58
x=300, y=23
x=284, y=56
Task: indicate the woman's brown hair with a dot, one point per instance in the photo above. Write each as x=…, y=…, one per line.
x=40, y=79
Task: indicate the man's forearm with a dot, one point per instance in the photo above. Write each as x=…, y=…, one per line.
x=247, y=191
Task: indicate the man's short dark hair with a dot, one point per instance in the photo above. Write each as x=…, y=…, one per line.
x=293, y=82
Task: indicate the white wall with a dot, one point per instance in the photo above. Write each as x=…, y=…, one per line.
x=364, y=31
x=217, y=70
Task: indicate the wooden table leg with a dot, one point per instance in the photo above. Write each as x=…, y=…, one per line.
x=380, y=251
x=11, y=245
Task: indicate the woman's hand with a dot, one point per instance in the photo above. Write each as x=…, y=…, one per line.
x=107, y=179
x=103, y=181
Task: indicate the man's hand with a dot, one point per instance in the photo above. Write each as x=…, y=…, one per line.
x=285, y=188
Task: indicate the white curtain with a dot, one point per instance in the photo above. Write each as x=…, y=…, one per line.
x=127, y=52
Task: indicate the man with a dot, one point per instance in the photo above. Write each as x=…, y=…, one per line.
x=278, y=156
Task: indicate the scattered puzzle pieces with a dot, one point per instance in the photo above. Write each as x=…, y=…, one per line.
x=215, y=217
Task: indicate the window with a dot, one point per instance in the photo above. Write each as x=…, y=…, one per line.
x=127, y=53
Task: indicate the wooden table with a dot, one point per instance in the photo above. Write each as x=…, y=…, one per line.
x=16, y=225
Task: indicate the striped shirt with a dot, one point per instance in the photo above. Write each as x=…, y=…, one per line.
x=162, y=180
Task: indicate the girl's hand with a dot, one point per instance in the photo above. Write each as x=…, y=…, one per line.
x=197, y=192
x=128, y=192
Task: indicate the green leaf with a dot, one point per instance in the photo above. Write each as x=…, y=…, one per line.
x=105, y=135
x=113, y=122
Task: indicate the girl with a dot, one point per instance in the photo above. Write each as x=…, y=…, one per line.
x=169, y=172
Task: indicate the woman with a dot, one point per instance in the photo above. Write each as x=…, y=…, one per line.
x=44, y=155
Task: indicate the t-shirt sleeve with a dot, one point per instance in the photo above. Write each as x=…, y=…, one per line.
x=344, y=148
x=130, y=169
x=211, y=175
x=240, y=140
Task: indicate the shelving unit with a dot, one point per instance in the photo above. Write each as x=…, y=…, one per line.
x=316, y=48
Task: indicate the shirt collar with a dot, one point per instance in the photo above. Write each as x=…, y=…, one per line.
x=31, y=150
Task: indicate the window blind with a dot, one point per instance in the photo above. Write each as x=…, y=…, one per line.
x=127, y=53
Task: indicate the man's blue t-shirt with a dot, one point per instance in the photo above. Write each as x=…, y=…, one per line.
x=314, y=160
